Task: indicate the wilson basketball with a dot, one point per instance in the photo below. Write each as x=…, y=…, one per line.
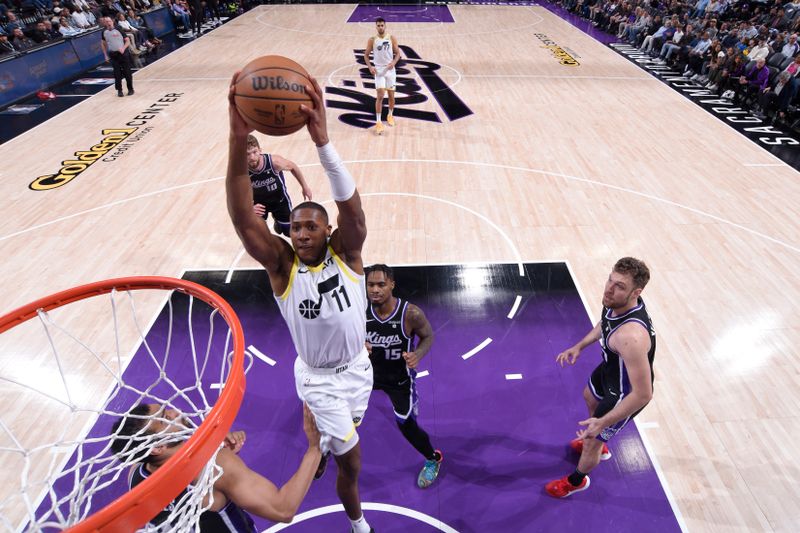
x=268, y=94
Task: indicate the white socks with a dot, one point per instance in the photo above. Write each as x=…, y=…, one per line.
x=360, y=525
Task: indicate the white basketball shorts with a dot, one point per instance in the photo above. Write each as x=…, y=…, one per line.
x=338, y=398
x=385, y=78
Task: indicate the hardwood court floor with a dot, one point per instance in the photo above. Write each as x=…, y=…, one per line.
x=580, y=163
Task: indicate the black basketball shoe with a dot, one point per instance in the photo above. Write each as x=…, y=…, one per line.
x=323, y=465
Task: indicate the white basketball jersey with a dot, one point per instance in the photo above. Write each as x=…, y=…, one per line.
x=382, y=53
x=325, y=308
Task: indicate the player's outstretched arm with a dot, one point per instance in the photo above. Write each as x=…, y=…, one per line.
x=256, y=494
x=264, y=247
x=234, y=440
x=570, y=355
x=280, y=164
x=352, y=231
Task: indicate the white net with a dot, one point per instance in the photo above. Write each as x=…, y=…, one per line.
x=71, y=373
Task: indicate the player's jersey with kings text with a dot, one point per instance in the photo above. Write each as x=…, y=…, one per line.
x=268, y=185
x=615, y=375
x=324, y=307
x=382, y=53
x=389, y=340
x=229, y=519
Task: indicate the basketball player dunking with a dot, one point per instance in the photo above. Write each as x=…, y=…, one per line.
x=269, y=185
x=392, y=324
x=318, y=283
x=386, y=54
x=622, y=385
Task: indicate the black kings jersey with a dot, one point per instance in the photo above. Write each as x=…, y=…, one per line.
x=229, y=519
x=389, y=340
x=268, y=186
x=615, y=375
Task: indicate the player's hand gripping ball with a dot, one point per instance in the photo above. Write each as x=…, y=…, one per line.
x=268, y=94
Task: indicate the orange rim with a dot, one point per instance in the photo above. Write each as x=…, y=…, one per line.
x=136, y=507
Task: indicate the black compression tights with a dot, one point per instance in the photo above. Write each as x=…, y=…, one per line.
x=417, y=437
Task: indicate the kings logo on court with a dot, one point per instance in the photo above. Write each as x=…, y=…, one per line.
x=357, y=104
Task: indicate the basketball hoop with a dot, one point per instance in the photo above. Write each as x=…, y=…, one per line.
x=192, y=464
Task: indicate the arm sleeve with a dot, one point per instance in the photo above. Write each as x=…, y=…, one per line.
x=342, y=185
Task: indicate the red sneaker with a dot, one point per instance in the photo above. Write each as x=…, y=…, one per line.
x=577, y=447
x=561, y=488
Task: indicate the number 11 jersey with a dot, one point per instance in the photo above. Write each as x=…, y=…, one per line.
x=324, y=307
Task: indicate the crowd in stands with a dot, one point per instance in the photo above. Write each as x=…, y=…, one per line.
x=747, y=51
x=742, y=50
x=25, y=24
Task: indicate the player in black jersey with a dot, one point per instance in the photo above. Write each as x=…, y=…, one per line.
x=392, y=324
x=238, y=491
x=270, y=194
x=622, y=384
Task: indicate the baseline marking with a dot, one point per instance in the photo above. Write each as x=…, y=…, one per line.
x=430, y=32
x=393, y=11
x=513, y=376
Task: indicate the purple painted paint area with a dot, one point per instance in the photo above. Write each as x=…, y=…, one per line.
x=400, y=13
x=502, y=440
x=581, y=23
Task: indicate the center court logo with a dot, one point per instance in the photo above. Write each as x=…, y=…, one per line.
x=359, y=105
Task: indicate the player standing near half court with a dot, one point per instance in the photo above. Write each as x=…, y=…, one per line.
x=622, y=385
x=385, y=54
x=392, y=324
x=318, y=283
x=269, y=185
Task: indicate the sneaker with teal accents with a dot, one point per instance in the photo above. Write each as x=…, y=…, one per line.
x=430, y=471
